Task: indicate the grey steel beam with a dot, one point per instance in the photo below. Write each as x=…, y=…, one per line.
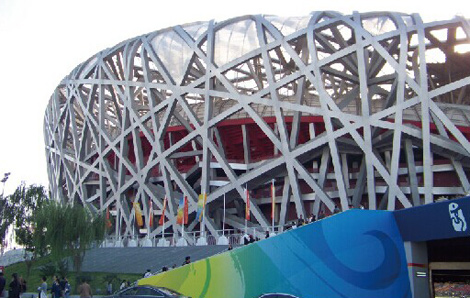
x=349, y=83
x=410, y=159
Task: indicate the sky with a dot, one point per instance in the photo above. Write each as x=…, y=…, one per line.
x=42, y=41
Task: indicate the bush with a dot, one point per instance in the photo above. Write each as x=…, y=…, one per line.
x=48, y=270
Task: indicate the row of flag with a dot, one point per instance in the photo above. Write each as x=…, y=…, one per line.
x=182, y=213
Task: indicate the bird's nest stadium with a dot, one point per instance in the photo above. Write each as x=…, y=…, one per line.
x=363, y=110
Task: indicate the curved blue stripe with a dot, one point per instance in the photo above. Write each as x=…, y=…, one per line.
x=381, y=277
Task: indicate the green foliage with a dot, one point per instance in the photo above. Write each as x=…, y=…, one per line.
x=68, y=230
x=83, y=277
x=59, y=268
x=6, y=218
x=18, y=210
x=48, y=270
x=26, y=201
x=111, y=278
x=62, y=268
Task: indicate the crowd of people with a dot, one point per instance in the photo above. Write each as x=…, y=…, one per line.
x=148, y=273
x=248, y=239
x=312, y=218
x=16, y=287
x=60, y=288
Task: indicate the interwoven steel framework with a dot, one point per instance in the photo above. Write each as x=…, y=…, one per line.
x=364, y=109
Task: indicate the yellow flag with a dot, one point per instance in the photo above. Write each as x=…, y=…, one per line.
x=138, y=214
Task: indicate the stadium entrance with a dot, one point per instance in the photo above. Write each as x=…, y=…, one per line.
x=449, y=267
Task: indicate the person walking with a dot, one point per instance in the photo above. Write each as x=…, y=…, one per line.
x=336, y=210
x=23, y=286
x=109, y=288
x=148, y=273
x=42, y=290
x=311, y=218
x=187, y=261
x=56, y=291
x=62, y=285
x=300, y=221
x=84, y=290
x=15, y=287
x=3, y=282
x=67, y=288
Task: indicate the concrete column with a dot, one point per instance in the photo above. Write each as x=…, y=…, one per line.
x=418, y=268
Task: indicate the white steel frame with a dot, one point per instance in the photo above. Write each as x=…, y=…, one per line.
x=367, y=76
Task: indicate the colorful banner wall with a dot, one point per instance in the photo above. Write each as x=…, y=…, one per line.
x=358, y=253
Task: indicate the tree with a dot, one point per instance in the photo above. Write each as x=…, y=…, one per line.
x=6, y=219
x=24, y=202
x=68, y=230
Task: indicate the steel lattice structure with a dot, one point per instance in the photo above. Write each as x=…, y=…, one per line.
x=365, y=109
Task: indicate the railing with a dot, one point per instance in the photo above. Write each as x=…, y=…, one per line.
x=233, y=237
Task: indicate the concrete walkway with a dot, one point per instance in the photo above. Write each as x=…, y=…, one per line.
x=139, y=259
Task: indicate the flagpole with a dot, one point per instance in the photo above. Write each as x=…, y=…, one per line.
x=182, y=221
x=273, y=197
x=163, y=229
x=150, y=214
x=118, y=223
x=246, y=232
x=163, y=217
x=203, y=228
x=132, y=219
x=246, y=207
x=223, y=223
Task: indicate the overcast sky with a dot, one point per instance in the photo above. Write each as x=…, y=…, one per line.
x=42, y=41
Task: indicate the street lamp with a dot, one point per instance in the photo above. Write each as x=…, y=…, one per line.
x=4, y=180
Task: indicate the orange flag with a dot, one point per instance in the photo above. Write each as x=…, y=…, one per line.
x=162, y=218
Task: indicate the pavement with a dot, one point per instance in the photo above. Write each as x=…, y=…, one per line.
x=139, y=259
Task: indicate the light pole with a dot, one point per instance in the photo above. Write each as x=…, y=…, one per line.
x=4, y=180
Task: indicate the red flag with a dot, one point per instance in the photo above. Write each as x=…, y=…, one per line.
x=185, y=209
x=273, y=200
x=247, y=208
x=162, y=218
x=108, y=221
x=150, y=214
